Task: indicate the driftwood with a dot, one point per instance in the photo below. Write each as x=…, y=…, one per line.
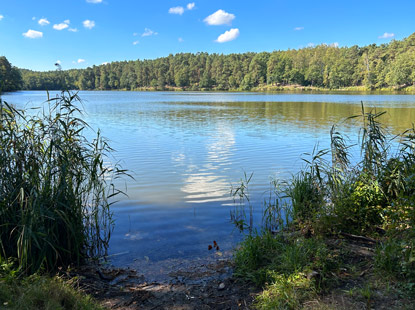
x=359, y=238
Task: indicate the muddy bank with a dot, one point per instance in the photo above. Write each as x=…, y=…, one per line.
x=197, y=286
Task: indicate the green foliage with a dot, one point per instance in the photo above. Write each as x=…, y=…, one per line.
x=306, y=196
x=359, y=205
x=38, y=292
x=373, y=142
x=43, y=293
x=278, y=212
x=182, y=77
x=10, y=77
x=254, y=255
x=367, y=199
x=258, y=255
x=286, y=292
x=8, y=271
x=396, y=258
x=374, y=196
x=206, y=81
x=55, y=186
x=289, y=267
x=327, y=66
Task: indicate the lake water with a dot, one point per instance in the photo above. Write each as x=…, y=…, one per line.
x=186, y=150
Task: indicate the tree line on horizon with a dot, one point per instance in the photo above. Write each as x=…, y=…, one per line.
x=10, y=76
x=325, y=66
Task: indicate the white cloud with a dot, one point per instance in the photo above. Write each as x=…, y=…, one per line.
x=80, y=60
x=220, y=17
x=176, y=10
x=1, y=17
x=136, y=42
x=43, y=22
x=180, y=40
x=33, y=34
x=105, y=63
x=94, y=1
x=34, y=18
x=228, y=35
x=386, y=35
x=190, y=6
x=298, y=28
x=88, y=24
x=311, y=44
x=58, y=62
x=148, y=32
x=73, y=29
x=62, y=26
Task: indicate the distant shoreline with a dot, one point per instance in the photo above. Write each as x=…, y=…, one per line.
x=410, y=90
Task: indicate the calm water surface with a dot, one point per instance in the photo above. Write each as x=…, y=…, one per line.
x=185, y=150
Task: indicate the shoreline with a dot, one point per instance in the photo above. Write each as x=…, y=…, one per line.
x=267, y=90
x=288, y=89
x=205, y=286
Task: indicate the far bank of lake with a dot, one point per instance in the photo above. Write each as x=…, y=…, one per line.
x=288, y=89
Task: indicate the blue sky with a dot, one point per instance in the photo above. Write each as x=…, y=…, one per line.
x=82, y=33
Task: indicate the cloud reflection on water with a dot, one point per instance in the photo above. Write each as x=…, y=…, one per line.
x=207, y=182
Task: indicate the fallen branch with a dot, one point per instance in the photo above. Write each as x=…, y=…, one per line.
x=360, y=238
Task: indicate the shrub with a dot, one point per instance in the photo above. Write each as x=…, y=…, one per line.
x=360, y=205
x=396, y=257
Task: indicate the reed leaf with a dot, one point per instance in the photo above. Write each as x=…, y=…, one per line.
x=55, y=186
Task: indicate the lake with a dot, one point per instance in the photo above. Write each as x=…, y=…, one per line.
x=187, y=149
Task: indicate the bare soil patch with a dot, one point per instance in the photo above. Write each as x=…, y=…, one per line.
x=210, y=286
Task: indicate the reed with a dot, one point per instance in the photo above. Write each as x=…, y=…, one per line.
x=332, y=196
x=56, y=186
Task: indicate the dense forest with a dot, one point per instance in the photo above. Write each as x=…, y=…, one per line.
x=10, y=77
x=374, y=66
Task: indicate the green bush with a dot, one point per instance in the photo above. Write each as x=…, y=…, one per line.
x=359, y=206
x=54, y=186
x=396, y=257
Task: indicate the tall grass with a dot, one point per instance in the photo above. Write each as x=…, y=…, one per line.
x=331, y=196
x=361, y=197
x=55, y=186
x=374, y=192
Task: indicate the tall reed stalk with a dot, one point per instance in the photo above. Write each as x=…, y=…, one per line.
x=55, y=186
